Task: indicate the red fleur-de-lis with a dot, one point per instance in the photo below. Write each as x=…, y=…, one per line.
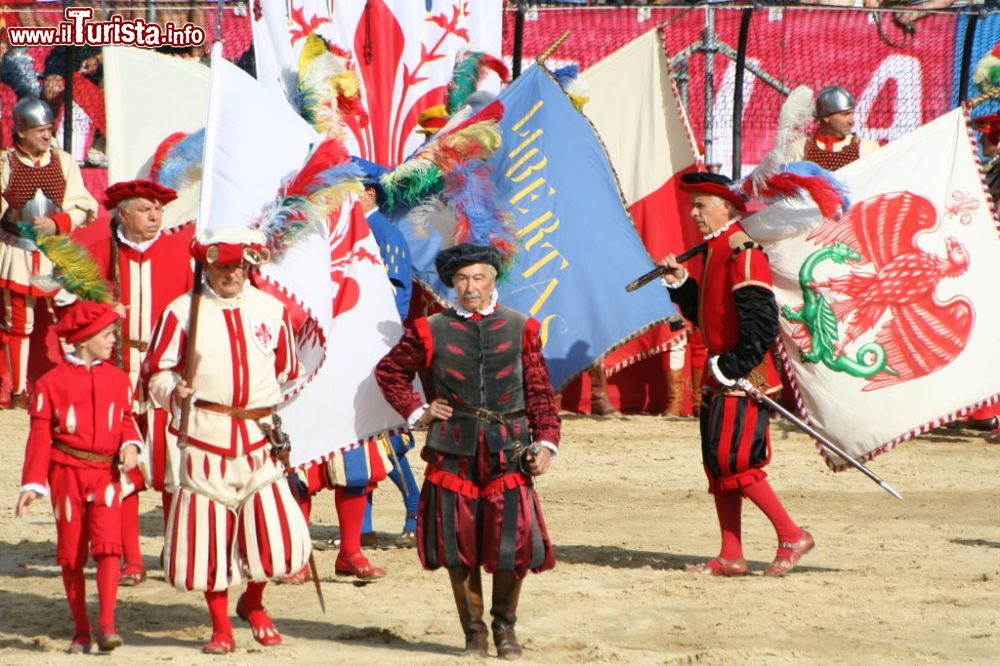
x=305, y=27
x=263, y=333
x=963, y=206
x=393, y=119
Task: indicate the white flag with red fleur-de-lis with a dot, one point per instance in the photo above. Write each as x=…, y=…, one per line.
x=889, y=316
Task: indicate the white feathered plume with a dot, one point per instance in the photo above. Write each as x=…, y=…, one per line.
x=793, y=123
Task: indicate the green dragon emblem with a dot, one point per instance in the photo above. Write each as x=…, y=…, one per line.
x=817, y=317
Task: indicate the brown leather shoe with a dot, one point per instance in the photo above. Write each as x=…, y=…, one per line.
x=408, y=539
x=720, y=567
x=506, y=640
x=477, y=641
x=990, y=424
x=107, y=640
x=782, y=565
x=369, y=540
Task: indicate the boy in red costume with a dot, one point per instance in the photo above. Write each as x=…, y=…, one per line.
x=81, y=425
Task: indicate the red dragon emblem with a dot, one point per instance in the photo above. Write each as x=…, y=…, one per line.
x=895, y=276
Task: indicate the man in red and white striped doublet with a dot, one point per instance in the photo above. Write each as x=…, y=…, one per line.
x=233, y=514
x=31, y=165
x=148, y=267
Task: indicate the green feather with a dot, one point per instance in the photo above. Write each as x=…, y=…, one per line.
x=464, y=80
x=73, y=267
x=411, y=183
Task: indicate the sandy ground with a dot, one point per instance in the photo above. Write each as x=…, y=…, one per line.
x=889, y=582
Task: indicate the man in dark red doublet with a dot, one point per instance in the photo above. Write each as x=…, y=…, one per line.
x=493, y=398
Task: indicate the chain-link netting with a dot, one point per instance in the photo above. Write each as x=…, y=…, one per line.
x=903, y=74
x=55, y=72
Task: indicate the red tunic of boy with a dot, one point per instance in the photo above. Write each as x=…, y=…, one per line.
x=81, y=417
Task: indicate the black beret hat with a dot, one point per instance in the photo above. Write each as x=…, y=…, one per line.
x=449, y=261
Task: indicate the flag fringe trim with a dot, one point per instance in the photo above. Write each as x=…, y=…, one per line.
x=661, y=348
x=364, y=441
x=320, y=332
x=886, y=446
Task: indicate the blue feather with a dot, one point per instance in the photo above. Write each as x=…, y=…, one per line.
x=347, y=172
x=813, y=170
x=182, y=160
x=470, y=191
x=566, y=75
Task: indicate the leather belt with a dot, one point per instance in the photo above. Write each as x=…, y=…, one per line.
x=236, y=412
x=141, y=345
x=81, y=454
x=488, y=415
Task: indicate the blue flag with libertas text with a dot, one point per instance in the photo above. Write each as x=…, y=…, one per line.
x=578, y=246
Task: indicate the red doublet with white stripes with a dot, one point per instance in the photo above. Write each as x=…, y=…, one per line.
x=146, y=282
x=244, y=352
x=147, y=278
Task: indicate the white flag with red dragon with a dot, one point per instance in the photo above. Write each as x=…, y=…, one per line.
x=889, y=316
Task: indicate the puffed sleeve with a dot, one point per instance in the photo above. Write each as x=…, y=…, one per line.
x=539, y=398
x=395, y=372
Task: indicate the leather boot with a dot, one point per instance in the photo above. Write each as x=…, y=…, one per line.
x=600, y=404
x=696, y=376
x=675, y=393
x=506, y=592
x=468, y=590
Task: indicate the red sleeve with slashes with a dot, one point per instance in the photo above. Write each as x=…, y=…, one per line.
x=395, y=372
x=539, y=398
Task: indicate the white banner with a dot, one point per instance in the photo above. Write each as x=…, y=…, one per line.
x=657, y=141
x=889, y=314
x=254, y=141
x=148, y=96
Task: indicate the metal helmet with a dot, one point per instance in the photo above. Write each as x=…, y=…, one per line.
x=31, y=112
x=833, y=99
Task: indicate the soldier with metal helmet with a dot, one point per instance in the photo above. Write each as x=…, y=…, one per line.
x=42, y=185
x=834, y=143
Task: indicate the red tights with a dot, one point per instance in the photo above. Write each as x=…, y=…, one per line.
x=350, y=514
x=107, y=592
x=729, y=507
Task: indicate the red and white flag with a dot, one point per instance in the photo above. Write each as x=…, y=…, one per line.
x=889, y=316
x=332, y=279
x=636, y=111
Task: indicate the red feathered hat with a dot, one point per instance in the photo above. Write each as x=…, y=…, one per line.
x=713, y=183
x=131, y=189
x=230, y=246
x=988, y=125
x=83, y=319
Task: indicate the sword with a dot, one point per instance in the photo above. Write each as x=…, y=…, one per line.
x=760, y=396
x=646, y=278
x=282, y=446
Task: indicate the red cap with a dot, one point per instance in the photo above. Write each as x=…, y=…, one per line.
x=83, y=319
x=988, y=125
x=712, y=183
x=230, y=246
x=146, y=189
